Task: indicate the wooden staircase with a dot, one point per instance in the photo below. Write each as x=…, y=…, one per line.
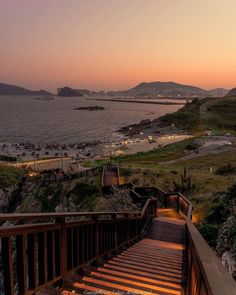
x=154, y=265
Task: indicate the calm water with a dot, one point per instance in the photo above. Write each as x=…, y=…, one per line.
x=25, y=119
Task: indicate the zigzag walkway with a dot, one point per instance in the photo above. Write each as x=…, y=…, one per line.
x=154, y=265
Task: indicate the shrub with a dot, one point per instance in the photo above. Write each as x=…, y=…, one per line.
x=186, y=184
x=225, y=170
x=210, y=233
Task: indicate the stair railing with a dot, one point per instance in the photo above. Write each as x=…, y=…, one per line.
x=40, y=249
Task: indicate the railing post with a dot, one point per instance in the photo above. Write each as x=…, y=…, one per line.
x=95, y=218
x=178, y=200
x=128, y=227
x=115, y=233
x=63, y=247
x=165, y=200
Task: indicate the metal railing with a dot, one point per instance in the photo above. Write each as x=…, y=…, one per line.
x=47, y=247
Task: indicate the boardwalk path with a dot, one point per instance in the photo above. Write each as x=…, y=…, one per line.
x=154, y=265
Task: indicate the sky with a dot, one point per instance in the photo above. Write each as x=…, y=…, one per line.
x=116, y=44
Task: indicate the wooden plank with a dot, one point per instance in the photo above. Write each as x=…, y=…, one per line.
x=41, y=258
x=157, y=286
x=7, y=265
x=32, y=268
x=21, y=267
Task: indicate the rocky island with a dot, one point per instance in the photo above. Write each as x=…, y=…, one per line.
x=90, y=108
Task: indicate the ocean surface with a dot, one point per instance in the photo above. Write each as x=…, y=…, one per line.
x=26, y=119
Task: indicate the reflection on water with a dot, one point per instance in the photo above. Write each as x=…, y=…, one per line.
x=26, y=119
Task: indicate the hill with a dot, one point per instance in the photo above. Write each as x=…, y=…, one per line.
x=201, y=114
x=68, y=92
x=208, y=113
x=218, y=92
x=7, y=89
x=168, y=89
x=231, y=93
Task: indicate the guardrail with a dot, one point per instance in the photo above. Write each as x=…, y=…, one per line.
x=206, y=274
x=48, y=246
x=168, y=200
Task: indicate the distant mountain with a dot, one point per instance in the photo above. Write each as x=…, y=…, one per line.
x=232, y=92
x=7, y=89
x=68, y=92
x=218, y=92
x=86, y=91
x=164, y=89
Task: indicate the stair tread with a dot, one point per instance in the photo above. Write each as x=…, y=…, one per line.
x=134, y=278
x=120, y=287
x=151, y=266
x=160, y=275
x=154, y=265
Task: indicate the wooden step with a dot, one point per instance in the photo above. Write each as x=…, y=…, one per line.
x=156, y=249
x=150, y=265
x=81, y=287
x=118, y=274
x=120, y=287
x=170, y=288
x=153, y=255
x=175, y=278
x=170, y=264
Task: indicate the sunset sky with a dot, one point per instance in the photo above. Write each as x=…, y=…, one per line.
x=116, y=44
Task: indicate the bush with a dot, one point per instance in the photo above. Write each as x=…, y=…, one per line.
x=210, y=233
x=126, y=172
x=225, y=170
x=185, y=185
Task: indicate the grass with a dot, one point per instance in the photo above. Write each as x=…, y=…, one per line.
x=164, y=175
x=153, y=157
x=208, y=113
x=9, y=176
x=167, y=153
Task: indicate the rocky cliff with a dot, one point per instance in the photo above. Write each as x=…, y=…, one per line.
x=226, y=245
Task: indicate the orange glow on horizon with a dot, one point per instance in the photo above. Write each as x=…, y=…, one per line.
x=108, y=44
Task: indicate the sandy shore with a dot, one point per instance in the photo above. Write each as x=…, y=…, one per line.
x=144, y=146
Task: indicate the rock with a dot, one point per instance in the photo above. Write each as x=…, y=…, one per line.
x=229, y=262
x=6, y=198
x=226, y=244
x=68, y=92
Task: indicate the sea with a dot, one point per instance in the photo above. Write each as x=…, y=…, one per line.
x=26, y=119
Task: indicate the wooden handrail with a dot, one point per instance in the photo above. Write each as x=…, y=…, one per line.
x=32, y=216
x=205, y=271
x=44, y=253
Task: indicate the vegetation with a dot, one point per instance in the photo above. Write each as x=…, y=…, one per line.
x=187, y=118
x=10, y=176
x=208, y=113
x=220, y=208
x=185, y=185
x=118, y=202
x=167, y=153
x=77, y=195
x=226, y=170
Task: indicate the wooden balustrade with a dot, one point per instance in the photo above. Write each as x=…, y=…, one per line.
x=167, y=200
x=206, y=274
x=48, y=246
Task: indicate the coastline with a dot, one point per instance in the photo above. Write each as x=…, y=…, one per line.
x=137, y=101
